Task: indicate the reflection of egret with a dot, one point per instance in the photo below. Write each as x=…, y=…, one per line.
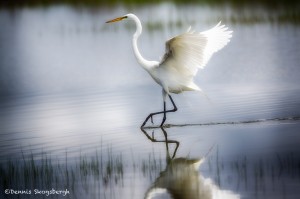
x=181, y=178
x=167, y=141
x=184, y=55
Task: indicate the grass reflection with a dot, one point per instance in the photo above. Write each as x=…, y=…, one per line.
x=258, y=176
x=105, y=170
x=105, y=173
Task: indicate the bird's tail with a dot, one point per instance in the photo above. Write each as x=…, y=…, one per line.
x=194, y=87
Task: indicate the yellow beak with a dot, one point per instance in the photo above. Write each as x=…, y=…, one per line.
x=116, y=19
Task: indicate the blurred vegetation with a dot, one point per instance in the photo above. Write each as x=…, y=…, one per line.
x=267, y=3
x=278, y=11
x=245, y=11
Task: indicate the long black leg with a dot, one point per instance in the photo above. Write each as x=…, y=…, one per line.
x=161, y=112
x=165, y=114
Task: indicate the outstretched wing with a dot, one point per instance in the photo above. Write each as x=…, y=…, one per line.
x=188, y=52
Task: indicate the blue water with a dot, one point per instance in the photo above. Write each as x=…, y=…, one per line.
x=71, y=88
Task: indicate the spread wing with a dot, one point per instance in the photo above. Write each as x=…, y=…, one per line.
x=188, y=52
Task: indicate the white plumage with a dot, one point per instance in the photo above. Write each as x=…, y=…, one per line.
x=184, y=55
x=188, y=52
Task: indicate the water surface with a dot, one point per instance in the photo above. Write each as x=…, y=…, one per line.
x=73, y=98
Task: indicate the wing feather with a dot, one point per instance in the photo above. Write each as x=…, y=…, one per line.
x=188, y=52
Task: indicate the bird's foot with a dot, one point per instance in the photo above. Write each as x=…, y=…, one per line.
x=151, y=119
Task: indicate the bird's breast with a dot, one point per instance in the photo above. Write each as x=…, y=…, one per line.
x=170, y=81
x=154, y=74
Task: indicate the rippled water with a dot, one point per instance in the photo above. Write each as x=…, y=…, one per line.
x=73, y=98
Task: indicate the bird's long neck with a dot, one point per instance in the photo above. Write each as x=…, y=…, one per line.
x=144, y=63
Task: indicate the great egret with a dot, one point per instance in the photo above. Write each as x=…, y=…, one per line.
x=184, y=55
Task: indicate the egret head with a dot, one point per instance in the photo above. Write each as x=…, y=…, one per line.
x=128, y=16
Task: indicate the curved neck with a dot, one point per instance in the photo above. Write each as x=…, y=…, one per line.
x=144, y=63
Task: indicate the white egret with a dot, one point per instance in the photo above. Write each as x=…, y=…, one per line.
x=184, y=55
